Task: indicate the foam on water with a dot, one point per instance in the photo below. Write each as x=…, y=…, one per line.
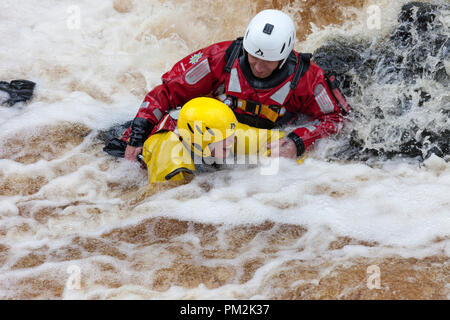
x=305, y=231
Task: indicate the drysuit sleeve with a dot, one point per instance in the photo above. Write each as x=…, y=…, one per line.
x=198, y=74
x=314, y=98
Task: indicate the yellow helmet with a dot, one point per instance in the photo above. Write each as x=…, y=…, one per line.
x=203, y=121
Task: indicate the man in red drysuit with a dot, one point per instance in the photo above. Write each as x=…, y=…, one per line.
x=266, y=83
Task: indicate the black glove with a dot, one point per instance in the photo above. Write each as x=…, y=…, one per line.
x=140, y=129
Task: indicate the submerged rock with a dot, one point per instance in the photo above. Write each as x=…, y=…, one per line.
x=388, y=83
x=418, y=36
x=16, y=91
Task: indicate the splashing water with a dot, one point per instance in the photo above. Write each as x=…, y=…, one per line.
x=74, y=223
x=397, y=86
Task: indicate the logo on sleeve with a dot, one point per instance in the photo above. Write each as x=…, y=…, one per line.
x=195, y=57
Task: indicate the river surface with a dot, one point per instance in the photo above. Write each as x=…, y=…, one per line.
x=75, y=223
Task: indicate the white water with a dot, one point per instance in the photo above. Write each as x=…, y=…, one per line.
x=96, y=76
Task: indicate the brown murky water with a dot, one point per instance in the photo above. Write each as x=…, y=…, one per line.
x=190, y=264
x=64, y=204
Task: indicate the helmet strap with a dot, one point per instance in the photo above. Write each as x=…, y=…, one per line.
x=282, y=63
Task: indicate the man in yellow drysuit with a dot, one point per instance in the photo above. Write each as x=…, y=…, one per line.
x=203, y=132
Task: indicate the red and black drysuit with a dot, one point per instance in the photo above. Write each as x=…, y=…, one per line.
x=222, y=71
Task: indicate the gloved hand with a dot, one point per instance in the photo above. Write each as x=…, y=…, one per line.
x=18, y=90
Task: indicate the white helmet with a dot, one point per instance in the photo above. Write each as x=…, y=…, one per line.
x=270, y=36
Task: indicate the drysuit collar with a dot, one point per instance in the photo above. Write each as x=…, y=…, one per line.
x=276, y=78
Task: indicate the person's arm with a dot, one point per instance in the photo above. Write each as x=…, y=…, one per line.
x=147, y=117
x=313, y=98
x=194, y=76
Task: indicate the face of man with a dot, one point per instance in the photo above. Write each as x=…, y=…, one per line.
x=222, y=149
x=262, y=68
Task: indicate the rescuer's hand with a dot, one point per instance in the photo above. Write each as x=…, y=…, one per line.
x=131, y=152
x=284, y=147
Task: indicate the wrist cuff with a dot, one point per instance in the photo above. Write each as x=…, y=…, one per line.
x=140, y=129
x=298, y=143
x=135, y=142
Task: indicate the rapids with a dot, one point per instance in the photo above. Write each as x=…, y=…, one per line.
x=76, y=224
